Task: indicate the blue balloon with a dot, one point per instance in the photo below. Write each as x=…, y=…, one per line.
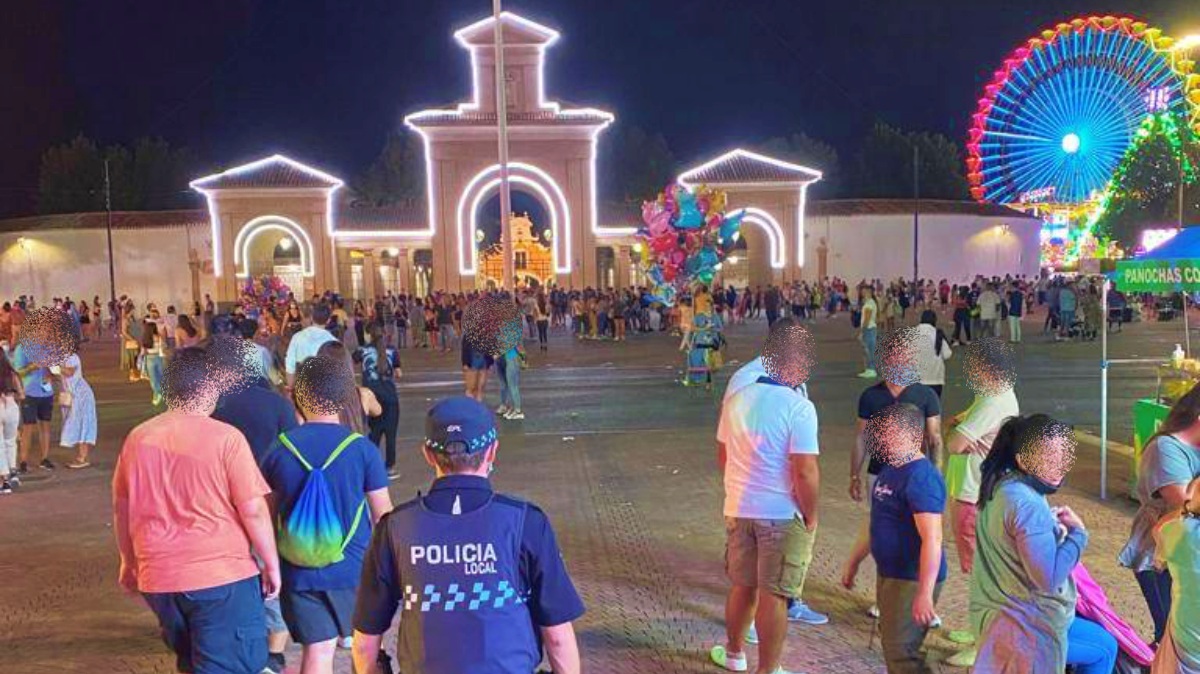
x=731, y=226
x=689, y=216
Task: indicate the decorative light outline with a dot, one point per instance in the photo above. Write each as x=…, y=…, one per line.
x=473, y=191
x=684, y=180
x=412, y=121
x=214, y=216
x=774, y=232
x=241, y=243
x=1135, y=29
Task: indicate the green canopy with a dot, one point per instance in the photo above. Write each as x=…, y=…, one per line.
x=1158, y=276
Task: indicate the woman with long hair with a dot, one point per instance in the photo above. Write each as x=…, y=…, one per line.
x=934, y=351
x=131, y=345
x=541, y=317
x=357, y=408
x=1169, y=462
x=1022, y=592
x=11, y=395
x=186, y=334
x=1177, y=544
x=154, y=350
x=379, y=373
x=79, y=422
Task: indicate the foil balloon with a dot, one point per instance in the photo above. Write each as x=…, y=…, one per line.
x=689, y=216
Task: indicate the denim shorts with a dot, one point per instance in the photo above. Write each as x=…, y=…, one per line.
x=215, y=630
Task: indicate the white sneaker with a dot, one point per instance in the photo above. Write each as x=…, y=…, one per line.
x=752, y=635
x=734, y=662
x=515, y=415
x=502, y=410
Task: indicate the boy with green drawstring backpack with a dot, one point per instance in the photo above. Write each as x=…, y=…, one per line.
x=329, y=487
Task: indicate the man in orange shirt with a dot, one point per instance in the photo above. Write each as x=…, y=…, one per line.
x=189, y=505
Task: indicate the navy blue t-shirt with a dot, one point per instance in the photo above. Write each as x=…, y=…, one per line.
x=357, y=471
x=259, y=413
x=1016, y=303
x=916, y=487
x=878, y=398
x=553, y=599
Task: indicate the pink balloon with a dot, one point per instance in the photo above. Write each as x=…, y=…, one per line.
x=659, y=224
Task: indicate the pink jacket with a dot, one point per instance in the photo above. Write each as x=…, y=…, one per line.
x=1093, y=605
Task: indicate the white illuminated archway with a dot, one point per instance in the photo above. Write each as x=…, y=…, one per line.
x=268, y=223
x=770, y=225
x=543, y=187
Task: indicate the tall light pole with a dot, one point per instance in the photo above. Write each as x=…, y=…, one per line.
x=112, y=274
x=916, y=214
x=502, y=139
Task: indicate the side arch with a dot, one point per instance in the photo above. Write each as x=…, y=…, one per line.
x=765, y=221
x=268, y=223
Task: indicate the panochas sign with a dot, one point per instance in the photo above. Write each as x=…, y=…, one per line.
x=1158, y=275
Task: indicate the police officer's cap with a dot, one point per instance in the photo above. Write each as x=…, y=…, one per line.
x=459, y=425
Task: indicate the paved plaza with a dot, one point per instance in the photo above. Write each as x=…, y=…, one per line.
x=622, y=458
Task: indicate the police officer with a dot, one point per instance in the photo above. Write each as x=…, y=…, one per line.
x=478, y=575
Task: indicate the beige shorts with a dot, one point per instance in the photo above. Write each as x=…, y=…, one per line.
x=771, y=555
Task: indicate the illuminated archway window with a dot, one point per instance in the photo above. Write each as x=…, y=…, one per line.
x=271, y=223
x=540, y=185
x=766, y=222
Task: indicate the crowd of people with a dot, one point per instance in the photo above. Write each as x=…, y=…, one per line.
x=1033, y=605
x=305, y=543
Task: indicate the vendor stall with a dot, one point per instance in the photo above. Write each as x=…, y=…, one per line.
x=1172, y=267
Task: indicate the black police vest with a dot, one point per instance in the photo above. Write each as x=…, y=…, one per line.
x=464, y=604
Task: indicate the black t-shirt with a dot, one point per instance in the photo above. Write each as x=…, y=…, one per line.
x=877, y=398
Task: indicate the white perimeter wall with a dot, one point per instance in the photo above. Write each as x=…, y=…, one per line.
x=151, y=265
x=954, y=247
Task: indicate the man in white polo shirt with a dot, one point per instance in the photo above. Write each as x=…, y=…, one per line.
x=767, y=449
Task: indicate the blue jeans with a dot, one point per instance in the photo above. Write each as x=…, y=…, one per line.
x=1090, y=649
x=869, y=336
x=215, y=630
x=446, y=336
x=509, y=369
x=1156, y=589
x=154, y=370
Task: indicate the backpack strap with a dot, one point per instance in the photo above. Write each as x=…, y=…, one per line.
x=362, y=506
x=283, y=438
x=340, y=448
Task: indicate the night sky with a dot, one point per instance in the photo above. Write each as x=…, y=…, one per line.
x=325, y=81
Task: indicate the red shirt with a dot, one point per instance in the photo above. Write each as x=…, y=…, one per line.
x=183, y=478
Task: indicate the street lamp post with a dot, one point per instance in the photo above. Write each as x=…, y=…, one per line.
x=502, y=139
x=24, y=244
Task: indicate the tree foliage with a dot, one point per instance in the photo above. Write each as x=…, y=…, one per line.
x=883, y=167
x=397, y=174
x=1144, y=192
x=149, y=176
x=637, y=165
x=800, y=148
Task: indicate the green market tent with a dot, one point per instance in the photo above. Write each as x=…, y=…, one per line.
x=1172, y=267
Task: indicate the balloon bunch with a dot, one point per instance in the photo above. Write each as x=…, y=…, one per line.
x=685, y=238
x=260, y=293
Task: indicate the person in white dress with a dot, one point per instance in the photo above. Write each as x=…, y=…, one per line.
x=933, y=352
x=79, y=422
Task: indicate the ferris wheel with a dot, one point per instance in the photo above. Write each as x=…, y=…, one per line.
x=1058, y=116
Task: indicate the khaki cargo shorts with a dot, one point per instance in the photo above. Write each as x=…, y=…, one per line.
x=771, y=555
